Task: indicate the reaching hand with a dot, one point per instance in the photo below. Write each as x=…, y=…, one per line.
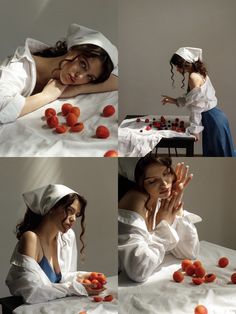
x=167, y=99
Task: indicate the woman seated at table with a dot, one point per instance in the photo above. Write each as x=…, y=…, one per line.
x=152, y=221
x=44, y=262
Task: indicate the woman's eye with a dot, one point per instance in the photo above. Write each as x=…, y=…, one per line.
x=83, y=64
x=151, y=182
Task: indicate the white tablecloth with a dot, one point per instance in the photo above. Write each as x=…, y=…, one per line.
x=133, y=143
x=161, y=295
x=74, y=305
x=30, y=137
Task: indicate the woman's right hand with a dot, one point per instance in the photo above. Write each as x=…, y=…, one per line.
x=92, y=291
x=53, y=90
x=166, y=99
x=169, y=208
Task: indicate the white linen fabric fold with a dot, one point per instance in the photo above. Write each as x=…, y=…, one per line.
x=29, y=136
x=133, y=143
x=161, y=295
x=73, y=305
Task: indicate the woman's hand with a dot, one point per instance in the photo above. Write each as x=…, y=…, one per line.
x=183, y=177
x=53, y=90
x=88, y=285
x=70, y=91
x=92, y=291
x=167, y=99
x=197, y=136
x=169, y=208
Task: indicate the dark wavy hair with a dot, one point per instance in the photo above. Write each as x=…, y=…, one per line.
x=31, y=220
x=198, y=67
x=86, y=51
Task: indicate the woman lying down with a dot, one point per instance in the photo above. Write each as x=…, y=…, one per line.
x=152, y=221
x=44, y=262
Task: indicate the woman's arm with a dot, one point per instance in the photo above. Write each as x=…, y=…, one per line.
x=109, y=85
x=51, y=92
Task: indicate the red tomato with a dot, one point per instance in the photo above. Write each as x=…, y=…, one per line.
x=178, y=276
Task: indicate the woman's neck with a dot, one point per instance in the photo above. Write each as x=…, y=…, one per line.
x=45, y=68
x=47, y=232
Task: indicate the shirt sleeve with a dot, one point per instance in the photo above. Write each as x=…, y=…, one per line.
x=12, y=84
x=188, y=245
x=141, y=253
x=195, y=102
x=29, y=284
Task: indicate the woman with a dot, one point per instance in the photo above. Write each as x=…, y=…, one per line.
x=201, y=101
x=44, y=262
x=152, y=221
x=37, y=74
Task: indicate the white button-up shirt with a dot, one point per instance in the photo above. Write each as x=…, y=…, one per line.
x=18, y=79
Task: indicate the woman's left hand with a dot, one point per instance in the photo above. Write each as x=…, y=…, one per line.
x=71, y=91
x=183, y=179
x=197, y=136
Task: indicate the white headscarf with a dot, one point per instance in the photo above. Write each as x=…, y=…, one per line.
x=41, y=200
x=190, y=54
x=78, y=35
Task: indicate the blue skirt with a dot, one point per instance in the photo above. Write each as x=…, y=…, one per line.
x=216, y=136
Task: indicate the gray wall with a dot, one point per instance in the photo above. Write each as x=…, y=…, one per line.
x=210, y=195
x=91, y=177
x=151, y=31
x=48, y=20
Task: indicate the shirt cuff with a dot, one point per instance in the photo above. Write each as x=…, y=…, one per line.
x=181, y=101
x=11, y=111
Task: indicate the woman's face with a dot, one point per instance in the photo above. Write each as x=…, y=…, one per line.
x=73, y=212
x=158, y=181
x=80, y=71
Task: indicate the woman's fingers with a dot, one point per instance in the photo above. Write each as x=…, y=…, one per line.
x=189, y=178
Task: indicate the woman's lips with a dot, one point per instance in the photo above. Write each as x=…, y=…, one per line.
x=71, y=78
x=165, y=190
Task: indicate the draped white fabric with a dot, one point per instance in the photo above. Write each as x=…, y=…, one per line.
x=161, y=295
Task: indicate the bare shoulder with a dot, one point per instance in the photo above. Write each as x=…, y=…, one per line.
x=133, y=200
x=29, y=244
x=195, y=80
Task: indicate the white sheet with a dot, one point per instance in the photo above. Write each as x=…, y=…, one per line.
x=29, y=136
x=133, y=143
x=74, y=305
x=161, y=295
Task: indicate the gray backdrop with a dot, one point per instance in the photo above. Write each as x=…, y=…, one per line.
x=48, y=20
x=151, y=31
x=91, y=177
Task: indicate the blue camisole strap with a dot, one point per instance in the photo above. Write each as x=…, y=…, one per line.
x=47, y=268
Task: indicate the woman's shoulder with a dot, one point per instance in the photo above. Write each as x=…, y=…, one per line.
x=133, y=200
x=195, y=80
x=29, y=244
